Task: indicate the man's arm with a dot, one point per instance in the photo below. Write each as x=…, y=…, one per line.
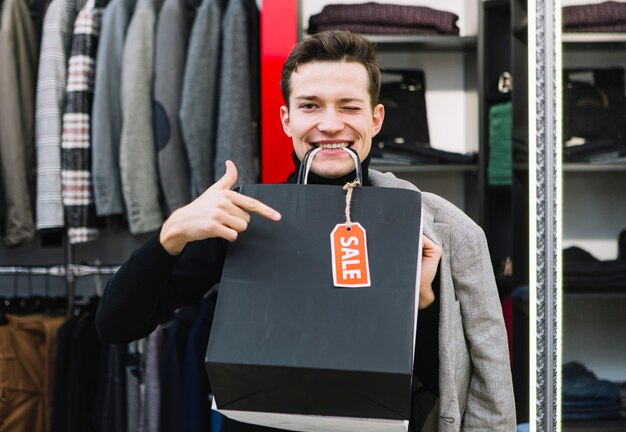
x=152, y=284
x=177, y=266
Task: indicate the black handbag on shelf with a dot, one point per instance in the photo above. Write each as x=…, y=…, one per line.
x=594, y=105
x=403, y=94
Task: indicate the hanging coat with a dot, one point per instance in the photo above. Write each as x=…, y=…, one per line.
x=198, y=107
x=172, y=35
x=18, y=63
x=56, y=40
x=140, y=183
x=107, y=108
x=80, y=211
x=236, y=136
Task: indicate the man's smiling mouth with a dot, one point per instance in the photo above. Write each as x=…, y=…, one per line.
x=332, y=146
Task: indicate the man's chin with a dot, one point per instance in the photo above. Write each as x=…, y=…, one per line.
x=332, y=170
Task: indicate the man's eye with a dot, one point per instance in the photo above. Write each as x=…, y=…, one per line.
x=308, y=106
x=351, y=108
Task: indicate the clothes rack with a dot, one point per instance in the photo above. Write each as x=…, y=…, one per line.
x=70, y=272
x=76, y=270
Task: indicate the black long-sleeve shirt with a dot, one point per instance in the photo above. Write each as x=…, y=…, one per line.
x=152, y=284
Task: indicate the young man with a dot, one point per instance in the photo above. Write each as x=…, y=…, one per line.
x=331, y=84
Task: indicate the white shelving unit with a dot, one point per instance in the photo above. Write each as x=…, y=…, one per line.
x=594, y=213
x=450, y=65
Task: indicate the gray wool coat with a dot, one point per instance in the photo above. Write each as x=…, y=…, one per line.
x=236, y=136
x=18, y=65
x=138, y=165
x=200, y=94
x=170, y=48
x=107, y=108
x=476, y=390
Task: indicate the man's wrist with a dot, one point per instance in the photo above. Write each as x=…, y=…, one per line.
x=427, y=297
x=170, y=239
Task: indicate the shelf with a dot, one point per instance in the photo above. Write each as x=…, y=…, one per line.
x=421, y=42
x=595, y=292
x=425, y=42
x=595, y=426
x=593, y=40
x=425, y=168
x=581, y=167
x=593, y=167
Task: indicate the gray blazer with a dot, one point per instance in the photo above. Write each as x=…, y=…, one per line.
x=198, y=105
x=172, y=35
x=235, y=129
x=476, y=390
x=106, y=116
x=138, y=166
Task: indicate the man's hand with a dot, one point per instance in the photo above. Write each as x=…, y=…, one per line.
x=218, y=212
x=431, y=255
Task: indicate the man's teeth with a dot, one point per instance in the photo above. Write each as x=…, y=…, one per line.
x=333, y=146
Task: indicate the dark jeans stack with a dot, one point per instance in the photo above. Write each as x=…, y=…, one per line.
x=585, y=397
x=582, y=271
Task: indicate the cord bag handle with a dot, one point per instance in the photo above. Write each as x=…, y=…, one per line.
x=348, y=241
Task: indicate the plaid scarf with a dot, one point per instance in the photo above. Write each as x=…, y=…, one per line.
x=78, y=202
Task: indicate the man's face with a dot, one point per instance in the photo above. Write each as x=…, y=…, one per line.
x=329, y=107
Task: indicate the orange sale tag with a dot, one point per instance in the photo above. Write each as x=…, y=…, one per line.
x=348, y=245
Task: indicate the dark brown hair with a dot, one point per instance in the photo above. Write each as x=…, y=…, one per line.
x=333, y=45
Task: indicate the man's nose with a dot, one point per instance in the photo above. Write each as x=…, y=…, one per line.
x=330, y=122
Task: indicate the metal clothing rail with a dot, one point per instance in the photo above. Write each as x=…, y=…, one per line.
x=56, y=270
x=75, y=270
x=70, y=272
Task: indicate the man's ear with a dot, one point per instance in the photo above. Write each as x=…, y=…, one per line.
x=378, y=118
x=284, y=118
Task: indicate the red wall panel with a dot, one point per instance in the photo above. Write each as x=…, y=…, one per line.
x=279, y=33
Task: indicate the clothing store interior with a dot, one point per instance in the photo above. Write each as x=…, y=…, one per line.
x=514, y=111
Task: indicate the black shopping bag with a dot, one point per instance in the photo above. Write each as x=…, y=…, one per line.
x=288, y=348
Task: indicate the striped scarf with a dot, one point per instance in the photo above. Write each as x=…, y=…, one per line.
x=78, y=201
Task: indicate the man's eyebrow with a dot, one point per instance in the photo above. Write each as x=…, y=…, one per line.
x=307, y=97
x=351, y=99
x=342, y=100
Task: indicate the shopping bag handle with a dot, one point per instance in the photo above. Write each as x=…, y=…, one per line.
x=307, y=161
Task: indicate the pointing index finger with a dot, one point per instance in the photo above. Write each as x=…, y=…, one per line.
x=253, y=205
